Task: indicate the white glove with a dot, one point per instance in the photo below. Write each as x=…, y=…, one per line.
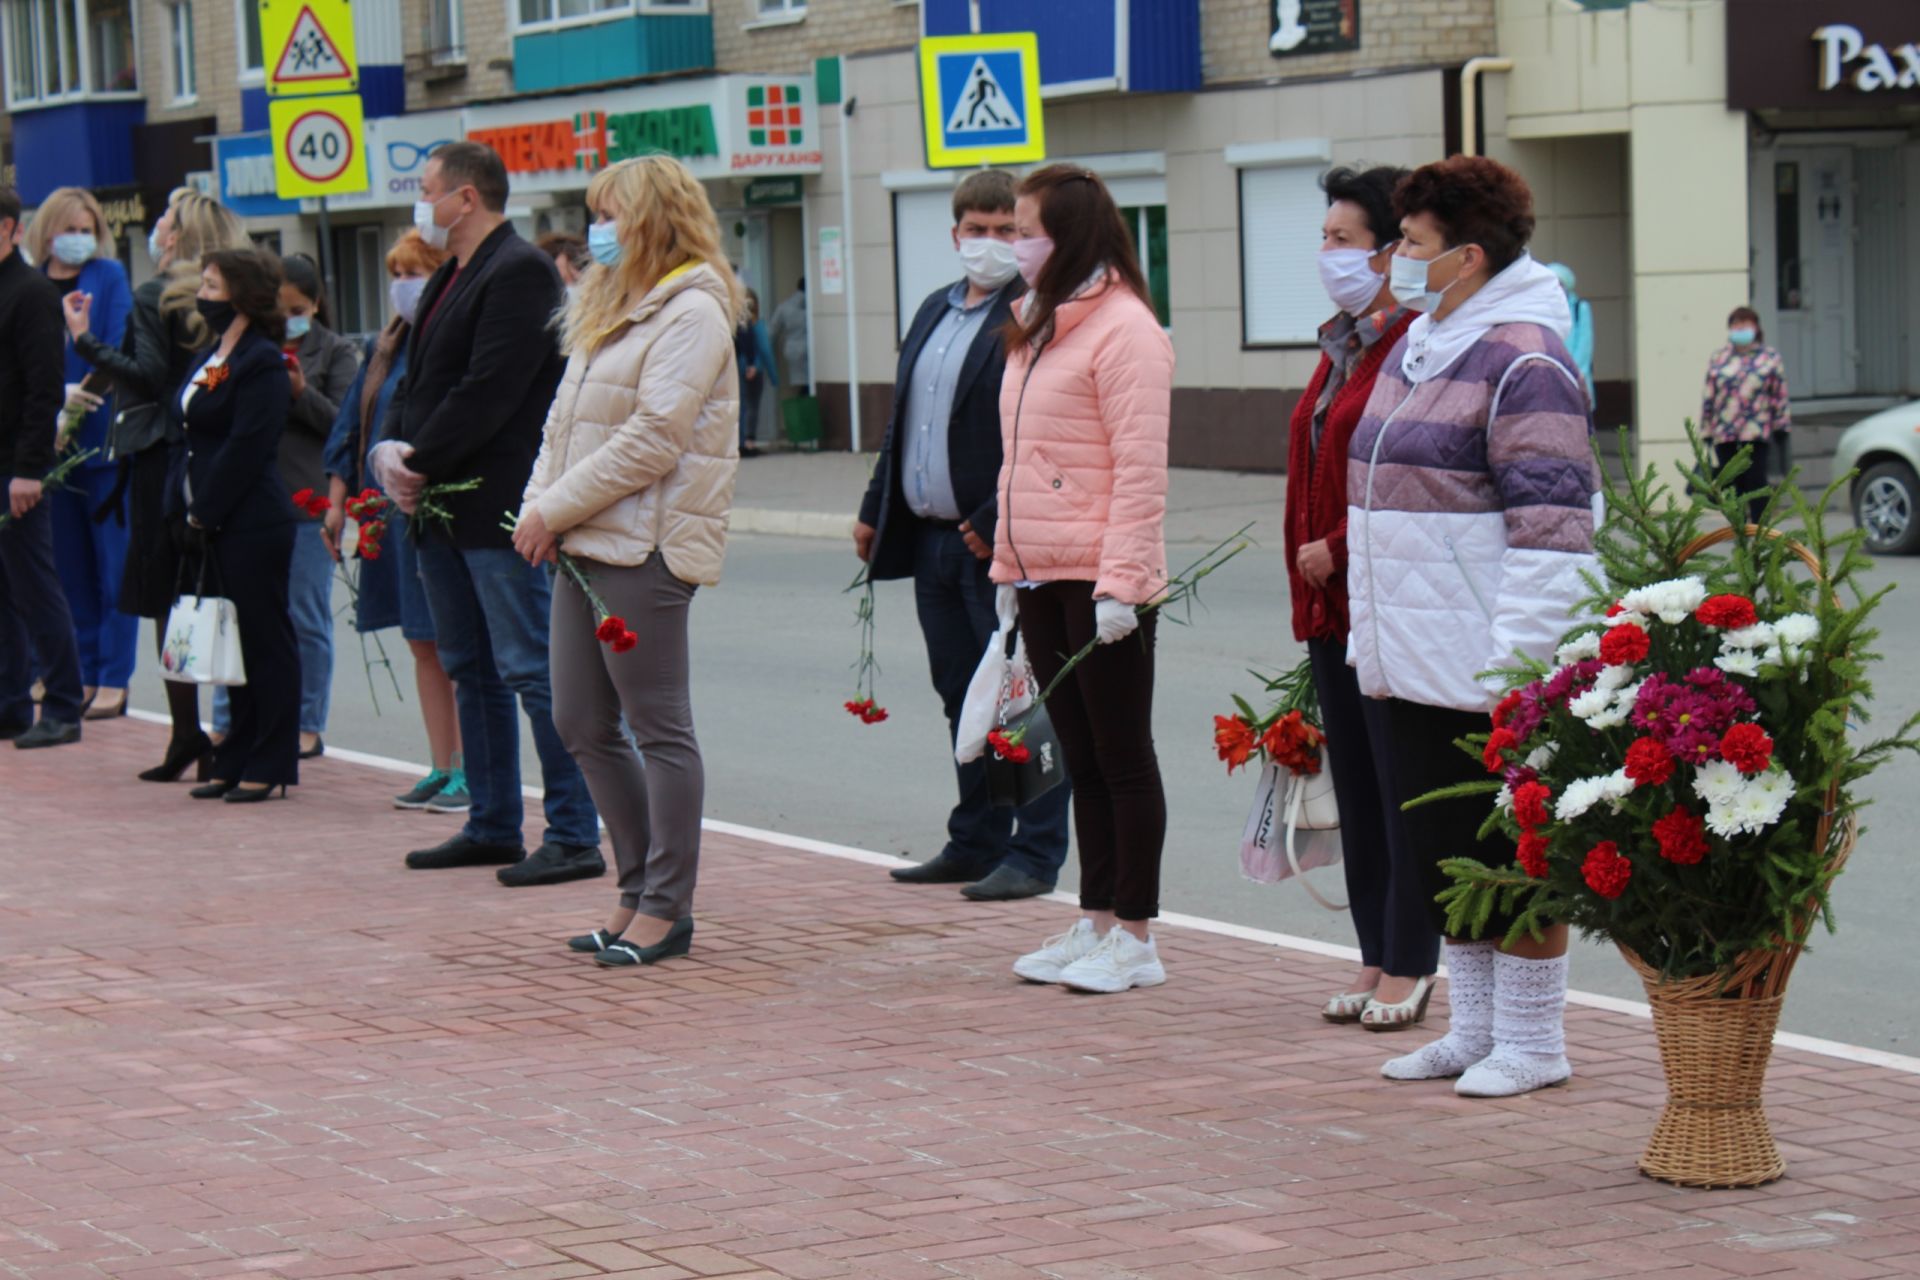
x=1113, y=620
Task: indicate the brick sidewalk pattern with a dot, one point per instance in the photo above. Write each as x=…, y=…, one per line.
x=244, y=1042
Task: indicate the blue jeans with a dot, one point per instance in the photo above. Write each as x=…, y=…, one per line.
x=310, y=601
x=490, y=618
x=955, y=601
x=92, y=559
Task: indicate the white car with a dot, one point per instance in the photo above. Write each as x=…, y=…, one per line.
x=1885, y=450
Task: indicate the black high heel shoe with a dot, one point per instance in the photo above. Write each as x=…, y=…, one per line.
x=254, y=795
x=212, y=790
x=179, y=756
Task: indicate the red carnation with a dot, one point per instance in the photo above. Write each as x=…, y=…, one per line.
x=1606, y=872
x=1533, y=854
x=1504, y=712
x=1502, y=740
x=610, y=629
x=1615, y=609
x=1728, y=613
x=1682, y=837
x=301, y=497
x=1530, y=804
x=872, y=715
x=1233, y=740
x=854, y=707
x=1649, y=763
x=317, y=506
x=1747, y=748
x=1624, y=645
x=624, y=641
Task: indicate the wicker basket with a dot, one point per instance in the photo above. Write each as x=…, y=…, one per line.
x=1716, y=1037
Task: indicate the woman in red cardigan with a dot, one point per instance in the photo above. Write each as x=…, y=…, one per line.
x=1398, y=947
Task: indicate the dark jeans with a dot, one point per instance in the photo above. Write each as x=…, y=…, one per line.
x=35, y=623
x=955, y=599
x=1753, y=480
x=1385, y=886
x=1422, y=757
x=490, y=617
x=1103, y=714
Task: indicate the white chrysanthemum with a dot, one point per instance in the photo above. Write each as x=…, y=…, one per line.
x=1631, y=616
x=1775, y=656
x=1612, y=678
x=1578, y=649
x=1504, y=799
x=1579, y=797
x=1759, y=807
x=1540, y=757
x=1612, y=718
x=1757, y=636
x=1774, y=782
x=1797, y=629
x=1671, y=601
x=1591, y=703
x=1616, y=787
x=1723, y=821
x=1739, y=662
x=1718, y=782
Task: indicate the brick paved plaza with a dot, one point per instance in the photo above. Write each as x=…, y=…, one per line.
x=243, y=1042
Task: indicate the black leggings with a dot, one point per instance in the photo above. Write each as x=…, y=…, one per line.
x=1752, y=483
x=1424, y=758
x=1103, y=714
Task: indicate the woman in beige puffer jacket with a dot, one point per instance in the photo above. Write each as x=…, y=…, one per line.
x=635, y=478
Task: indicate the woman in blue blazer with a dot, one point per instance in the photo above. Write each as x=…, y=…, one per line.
x=69, y=240
x=239, y=524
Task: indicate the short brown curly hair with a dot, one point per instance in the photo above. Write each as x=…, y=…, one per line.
x=1476, y=201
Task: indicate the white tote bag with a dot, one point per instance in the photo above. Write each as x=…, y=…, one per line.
x=1294, y=828
x=1001, y=688
x=203, y=642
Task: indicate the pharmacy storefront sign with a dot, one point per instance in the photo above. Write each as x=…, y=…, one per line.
x=720, y=127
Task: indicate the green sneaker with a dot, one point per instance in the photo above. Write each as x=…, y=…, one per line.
x=453, y=797
x=423, y=791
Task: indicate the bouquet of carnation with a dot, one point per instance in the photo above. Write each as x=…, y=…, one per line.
x=1294, y=825
x=863, y=705
x=1680, y=781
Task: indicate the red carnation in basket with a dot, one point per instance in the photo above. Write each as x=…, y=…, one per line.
x=1625, y=645
x=1533, y=854
x=1649, y=763
x=1682, y=837
x=1530, y=804
x=1727, y=613
x=1503, y=740
x=1606, y=872
x=1747, y=748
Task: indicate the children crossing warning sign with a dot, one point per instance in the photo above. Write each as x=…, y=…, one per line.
x=309, y=46
x=980, y=99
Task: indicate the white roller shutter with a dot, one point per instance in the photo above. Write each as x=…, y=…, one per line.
x=1281, y=212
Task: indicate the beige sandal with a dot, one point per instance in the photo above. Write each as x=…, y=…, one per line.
x=1348, y=1006
x=1401, y=1014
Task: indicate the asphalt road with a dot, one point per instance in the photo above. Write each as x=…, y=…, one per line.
x=773, y=647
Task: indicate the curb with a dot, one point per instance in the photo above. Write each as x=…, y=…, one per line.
x=791, y=524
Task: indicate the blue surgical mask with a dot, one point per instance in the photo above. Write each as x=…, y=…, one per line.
x=603, y=242
x=74, y=247
x=155, y=250
x=297, y=326
x=1743, y=337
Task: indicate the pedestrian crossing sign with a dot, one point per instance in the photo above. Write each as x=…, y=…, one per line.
x=980, y=99
x=309, y=47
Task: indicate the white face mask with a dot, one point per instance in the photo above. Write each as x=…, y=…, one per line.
x=989, y=262
x=430, y=231
x=1349, y=279
x=1408, y=279
x=404, y=292
x=74, y=247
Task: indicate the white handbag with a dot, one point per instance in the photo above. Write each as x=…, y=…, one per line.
x=1001, y=688
x=1294, y=828
x=203, y=642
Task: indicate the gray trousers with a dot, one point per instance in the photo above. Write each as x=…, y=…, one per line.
x=649, y=800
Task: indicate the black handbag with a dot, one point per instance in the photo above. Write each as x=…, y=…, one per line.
x=1012, y=785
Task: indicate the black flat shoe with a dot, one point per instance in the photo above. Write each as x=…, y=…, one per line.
x=937, y=870
x=462, y=852
x=592, y=943
x=554, y=864
x=48, y=733
x=625, y=955
x=212, y=790
x=319, y=749
x=254, y=795
x=179, y=756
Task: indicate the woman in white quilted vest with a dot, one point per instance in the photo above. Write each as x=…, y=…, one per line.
x=635, y=480
x=1471, y=495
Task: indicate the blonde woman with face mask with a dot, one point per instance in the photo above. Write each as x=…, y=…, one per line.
x=636, y=475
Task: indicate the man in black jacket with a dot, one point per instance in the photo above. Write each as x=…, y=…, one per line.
x=929, y=514
x=481, y=371
x=34, y=619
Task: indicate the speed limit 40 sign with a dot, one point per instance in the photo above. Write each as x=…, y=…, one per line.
x=318, y=146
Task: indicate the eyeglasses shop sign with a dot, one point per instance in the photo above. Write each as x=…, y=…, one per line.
x=1815, y=54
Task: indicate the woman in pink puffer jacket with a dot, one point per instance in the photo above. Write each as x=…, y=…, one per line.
x=1083, y=495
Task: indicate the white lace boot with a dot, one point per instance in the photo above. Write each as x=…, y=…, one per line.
x=1469, y=1035
x=1529, y=1030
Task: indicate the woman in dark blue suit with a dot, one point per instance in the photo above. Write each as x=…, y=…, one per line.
x=237, y=515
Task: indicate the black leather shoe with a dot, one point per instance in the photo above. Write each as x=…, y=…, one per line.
x=625, y=955
x=592, y=943
x=212, y=790
x=554, y=864
x=1005, y=884
x=937, y=870
x=462, y=852
x=48, y=733
x=254, y=795
x=10, y=731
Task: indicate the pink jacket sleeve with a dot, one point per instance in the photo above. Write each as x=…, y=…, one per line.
x=1133, y=377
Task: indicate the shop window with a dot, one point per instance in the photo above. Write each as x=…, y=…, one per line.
x=1282, y=302
x=1149, y=226
x=186, y=77
x=62, y=49
x=253, y=63
x=1786, y=235
x=547, y=13
x=774, y=10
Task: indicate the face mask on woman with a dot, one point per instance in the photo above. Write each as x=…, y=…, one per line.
x=1745, y=336
x=74, y=247
x=155, y=250
x=217, y=312
x=603, y=242
x=1031, y=255
x=1408, y=279
x=1349, y=279
x=989, y=263
x=404, y=292
x=297, y=327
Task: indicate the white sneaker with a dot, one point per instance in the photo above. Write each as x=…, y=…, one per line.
x=1059, y=951
x=1120, y=961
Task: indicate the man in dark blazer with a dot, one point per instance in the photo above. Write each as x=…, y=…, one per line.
x=929, y=514
x=482, y=366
